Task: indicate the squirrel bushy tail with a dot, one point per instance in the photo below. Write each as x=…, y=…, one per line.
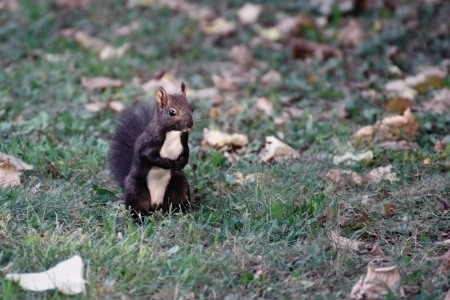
x=131, y=124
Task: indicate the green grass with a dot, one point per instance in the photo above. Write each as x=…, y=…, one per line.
x=266, y=239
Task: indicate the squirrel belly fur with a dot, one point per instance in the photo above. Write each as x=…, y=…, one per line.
x=147, y=152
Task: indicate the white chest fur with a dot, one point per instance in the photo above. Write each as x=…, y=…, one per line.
x=158, y=178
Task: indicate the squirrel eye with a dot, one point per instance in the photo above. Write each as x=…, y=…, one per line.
x=172, y=113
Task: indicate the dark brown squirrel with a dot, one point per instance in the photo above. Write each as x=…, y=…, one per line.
x=147, y=152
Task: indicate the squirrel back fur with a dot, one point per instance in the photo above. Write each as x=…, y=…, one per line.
x=130, y=126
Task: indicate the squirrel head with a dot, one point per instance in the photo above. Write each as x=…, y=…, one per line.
x=173, y=112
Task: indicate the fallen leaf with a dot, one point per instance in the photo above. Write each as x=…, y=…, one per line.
x=398, y=105
x=399, y=88
x=272, y=34
x=364, y=134
x=17, y=163
x=352, y=34
x=101, y=106
x=377, y=283
x=127, y=29
x=427, y=161
x=341, y=242
x=241, y=55
x=218, y=139
x=98, y=83
x=439, y=104
x=271, y=79
x=66, y=276
x=9, y=176
x=352, y=158
x=276, y=150
x=440, y=147
x=170, y=83
x=265, y=105
x=399, y=127
x=224, y=83
x=389, y=210
x=96, y=45
x=376, y=251
x=428, y=78
x=302, y=48
x=444, y=203
x=249, y=13
x=381, y=173
x=219, y=26
x=444, y=267
x=10, y=170
x=344, y=177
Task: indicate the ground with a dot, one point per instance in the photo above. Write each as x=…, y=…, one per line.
x=269, y=237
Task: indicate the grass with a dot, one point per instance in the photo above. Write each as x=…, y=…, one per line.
x=266, y=239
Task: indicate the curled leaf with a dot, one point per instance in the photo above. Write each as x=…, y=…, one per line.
x=344, y=177
x=377, y=283
x=345, y=243
x=218, y=139
x=382, y=173
x=98, y=83
x=276, y=150
x=351, y=158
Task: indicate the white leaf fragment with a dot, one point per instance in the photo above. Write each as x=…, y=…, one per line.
x=66, y=276
x=345, y=243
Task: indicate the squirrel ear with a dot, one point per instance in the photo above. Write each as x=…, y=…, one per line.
x=183, y=89
x=161, y=98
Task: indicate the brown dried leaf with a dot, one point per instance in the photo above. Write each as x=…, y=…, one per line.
x=302, y=48
x=18, y=164
x=98, y=83
x=381, y=173
x=276, y=150
x=241, y=55
x=364, y=134
x=352, y=34
x=271, y=79
x=376, y=251
x=344, y=177
x=264, y=105
x=398, y=105
x=249, y=13
x=399, y=127
x=345, y=243
x=440, y=147
x=9, y=175
x=389, y=210
x=377, y=283
x=218, y=139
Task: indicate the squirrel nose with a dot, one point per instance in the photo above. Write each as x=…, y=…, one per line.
x=190, y=124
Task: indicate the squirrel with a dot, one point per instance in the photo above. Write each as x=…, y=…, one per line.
x=148, y=149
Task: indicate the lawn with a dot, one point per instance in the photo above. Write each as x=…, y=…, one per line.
x=256, y=229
